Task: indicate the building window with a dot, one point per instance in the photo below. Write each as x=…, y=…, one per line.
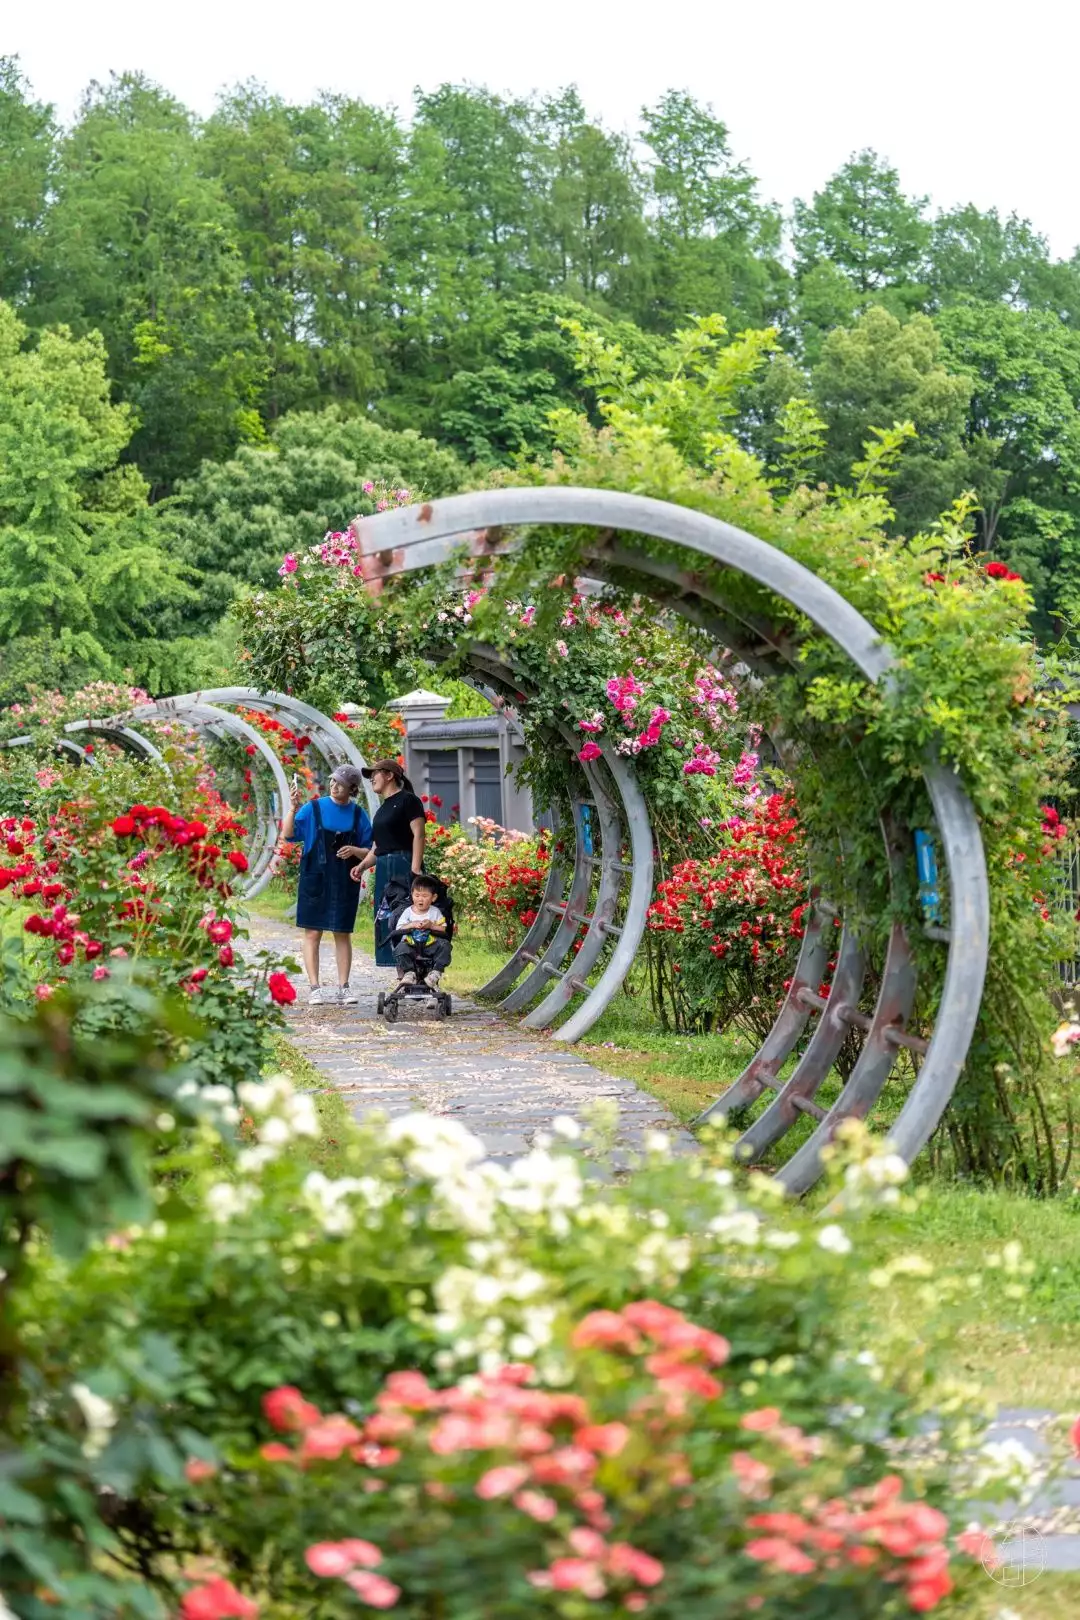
x=443, y=782
x=487, y=778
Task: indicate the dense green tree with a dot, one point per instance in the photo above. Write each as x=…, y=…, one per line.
x=27, y=144
x=235, y=520
x=84, y=575
x=880, y=371
x=1024, y=368
x=713, y=245
x=297, y=181
x=591, y=225
x=517, y=364
x=861, y=241
x=978, y=255
x=139, y=245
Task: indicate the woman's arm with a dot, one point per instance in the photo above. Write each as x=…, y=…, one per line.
x=418, y=828
x=288, y=825
x=357, y=872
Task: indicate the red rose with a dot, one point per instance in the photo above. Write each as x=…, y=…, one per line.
x=220, y=930
x=250, y=749
x=217, y=1600
x=286, y=1409
x=225, y=956
x=281, y=988
x=123, y=826
x=238, y=859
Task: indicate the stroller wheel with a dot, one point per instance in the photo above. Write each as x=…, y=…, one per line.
x=390, y=1009
x=380, y=1005
x=447, y=1006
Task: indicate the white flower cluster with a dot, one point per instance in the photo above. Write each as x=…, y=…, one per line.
x=471, y=1191
x=875, y=1180
x=281, y=1113
x=1005, y=1462
x=99, y=1415
x=493, y=1312
x=333, y=1202
x=218, y=1100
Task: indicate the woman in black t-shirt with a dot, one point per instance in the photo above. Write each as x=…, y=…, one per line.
x=398, y=832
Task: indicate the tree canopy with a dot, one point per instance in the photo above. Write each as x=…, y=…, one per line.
x=257, y=280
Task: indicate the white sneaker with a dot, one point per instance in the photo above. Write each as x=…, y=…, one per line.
x=433, y=978
x=317, y=996
x=348, y=996
x=407, y=978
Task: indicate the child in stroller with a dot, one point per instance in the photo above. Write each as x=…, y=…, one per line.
x=421, y=930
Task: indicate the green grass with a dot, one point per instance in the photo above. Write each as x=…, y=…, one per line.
x=334, y=1117
x=1023, y=1352
x=277, y=902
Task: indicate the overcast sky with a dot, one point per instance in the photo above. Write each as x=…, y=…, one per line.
x=971, y=102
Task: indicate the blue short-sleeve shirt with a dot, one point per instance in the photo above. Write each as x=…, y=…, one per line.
x=335, y=817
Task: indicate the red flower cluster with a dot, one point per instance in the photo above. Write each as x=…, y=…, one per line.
x=902, y=1541
x=281, y=989
x=517, y=886
x=217, y=1600
x=118, y=914
x=739, y=899
x=998, y=570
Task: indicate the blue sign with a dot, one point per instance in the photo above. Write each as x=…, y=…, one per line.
x=926, y=862
x=586, y=828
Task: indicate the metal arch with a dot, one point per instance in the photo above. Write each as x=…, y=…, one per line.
x=68, y=744
x=207, y=717
x=331, y=740
x=394, y=542
x=549, y=908
x=125, y=737
x=637, y=905
x=570, y=980
x=600, y=916
x=601, y=925
x=547, y=964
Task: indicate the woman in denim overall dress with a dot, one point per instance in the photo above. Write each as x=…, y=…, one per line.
x=335, y=833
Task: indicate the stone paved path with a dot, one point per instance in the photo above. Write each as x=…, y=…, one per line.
x=505, y=1084
x=502, y=1082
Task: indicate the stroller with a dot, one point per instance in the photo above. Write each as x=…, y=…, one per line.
x=396, y=896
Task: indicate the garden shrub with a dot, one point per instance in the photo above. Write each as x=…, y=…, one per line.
x=103, y=884
x=613, y=1446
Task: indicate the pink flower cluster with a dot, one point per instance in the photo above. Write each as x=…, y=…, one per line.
x=745, y=771
x=903, y=1541
x=710, y=697
x=705, y=761
x=547, y=1449
x=623, y=692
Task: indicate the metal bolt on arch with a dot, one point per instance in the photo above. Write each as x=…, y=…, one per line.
x=545, y=975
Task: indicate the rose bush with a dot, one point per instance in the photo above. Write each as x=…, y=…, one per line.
x=743, y=908
x=149, y=891
x=757, y=1423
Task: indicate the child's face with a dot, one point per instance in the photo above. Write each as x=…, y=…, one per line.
x=422, y=900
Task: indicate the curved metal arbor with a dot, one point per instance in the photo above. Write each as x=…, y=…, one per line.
x=203, y=711
x=399, y=541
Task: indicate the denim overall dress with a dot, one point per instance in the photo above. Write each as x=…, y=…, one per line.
x=327, y=897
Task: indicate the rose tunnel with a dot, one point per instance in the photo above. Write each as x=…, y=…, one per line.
x=601, y=874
